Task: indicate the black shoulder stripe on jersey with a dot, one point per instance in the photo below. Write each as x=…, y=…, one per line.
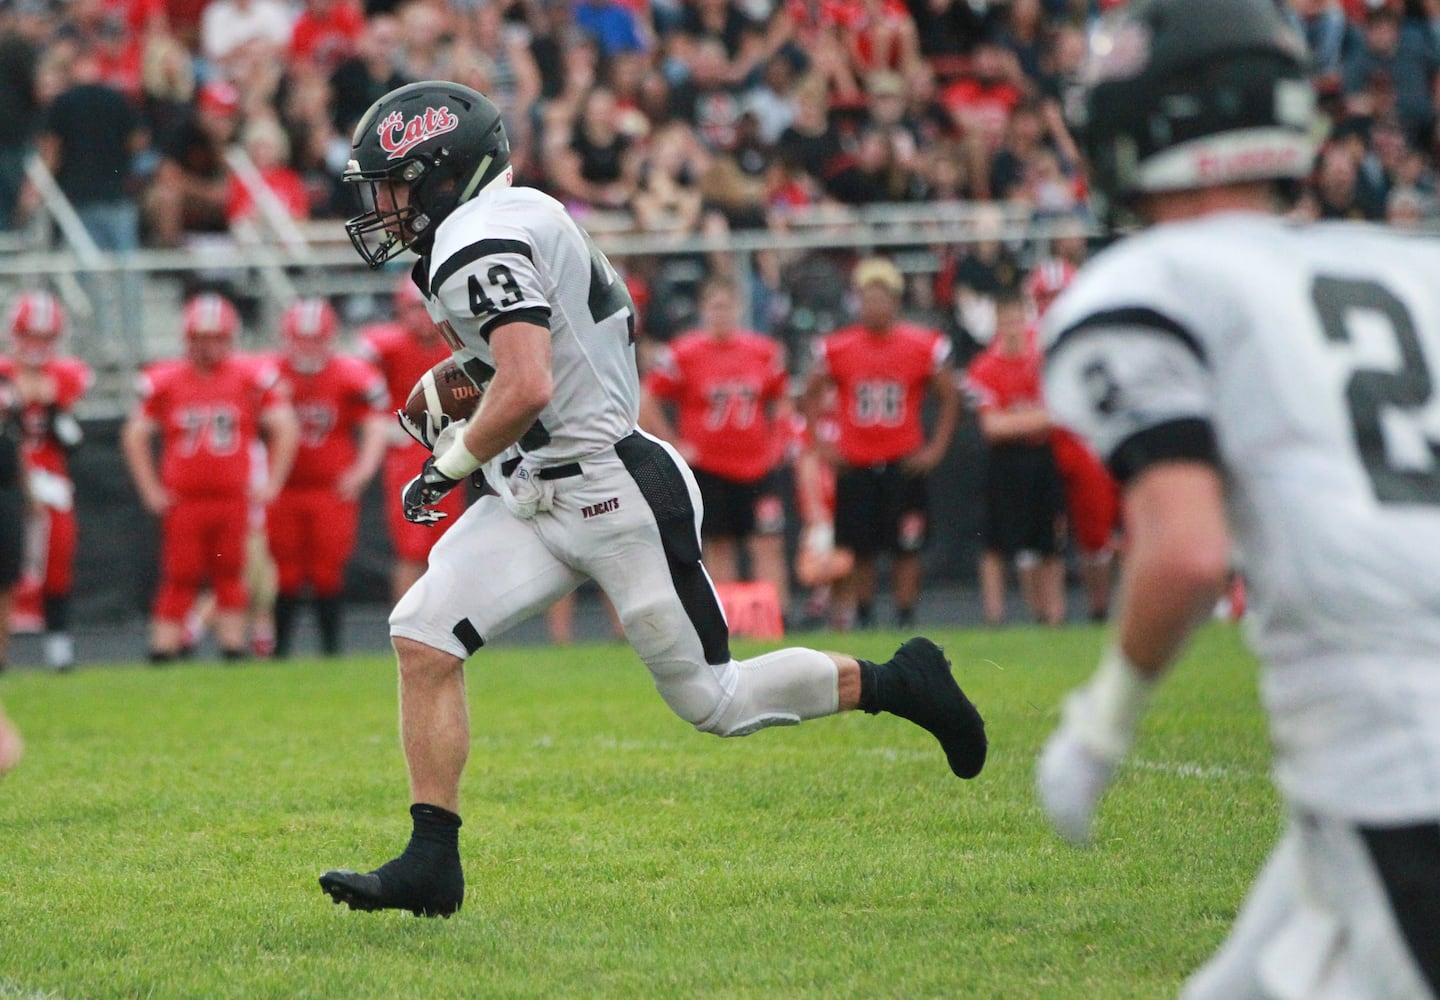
x=472, y=253
x=420, y=274
x=1188, y=439
x=1141, y=316
x=538, y=315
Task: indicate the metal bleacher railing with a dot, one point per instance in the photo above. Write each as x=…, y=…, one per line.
x=272, y=259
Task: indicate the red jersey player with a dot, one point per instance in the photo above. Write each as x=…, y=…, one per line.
x=207, y=408
x=730, y=392
x=882, y=368
x=47, y=388
x=342, y=404
x=403, y=351
x=1023, y=501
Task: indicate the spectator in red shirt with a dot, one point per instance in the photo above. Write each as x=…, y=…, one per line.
x=1024, y=500
x=208, y=408
x=327, y=32
x=882, y=369
x=729, y=390
x=403, y=351
x=268, y=147
x=47, y=387
x=342, y=404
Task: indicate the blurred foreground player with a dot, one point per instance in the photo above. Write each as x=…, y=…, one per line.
x=207, y=408
x=343, y=409
x=1241, y=374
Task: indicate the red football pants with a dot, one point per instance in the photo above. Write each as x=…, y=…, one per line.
x=312, y=535
x=203, y=539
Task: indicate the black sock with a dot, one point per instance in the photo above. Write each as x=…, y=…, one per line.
x=864, y=614
x=57, y=613
x=232, y=655
x=870, y=685
x=158, y=656
x=285, y=607
x=904, y=617
x=435, y=828
x=327, y=615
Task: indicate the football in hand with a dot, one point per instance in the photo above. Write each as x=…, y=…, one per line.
x=443, y=395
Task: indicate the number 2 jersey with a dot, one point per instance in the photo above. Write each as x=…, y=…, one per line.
x=515, y=255
x=1309, y=355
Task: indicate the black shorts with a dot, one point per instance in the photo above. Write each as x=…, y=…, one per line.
x=1024, y=500
x=12, y=535
x=880, y=508
x=738, y=510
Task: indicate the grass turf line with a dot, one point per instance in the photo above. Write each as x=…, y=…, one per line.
x=163, y=835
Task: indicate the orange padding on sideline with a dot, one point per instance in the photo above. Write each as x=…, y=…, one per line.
x=752, y=609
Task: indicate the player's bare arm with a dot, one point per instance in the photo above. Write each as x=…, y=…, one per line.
x=520, y=388
x=374, y=440
x=933, y=451
x=1177, y=560
x=1022, y=423
x=137, y=441
x=281, y=429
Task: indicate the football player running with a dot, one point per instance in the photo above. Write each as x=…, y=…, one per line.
x=1273, y=383
x=529, y=304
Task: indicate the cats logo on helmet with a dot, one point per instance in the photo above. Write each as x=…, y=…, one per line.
x=418, y=153
x=423, y=127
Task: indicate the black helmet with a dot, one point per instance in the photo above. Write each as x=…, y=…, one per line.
x=1189, y=94
x=440, y=141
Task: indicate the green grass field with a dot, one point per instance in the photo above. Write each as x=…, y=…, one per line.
x=163, y=835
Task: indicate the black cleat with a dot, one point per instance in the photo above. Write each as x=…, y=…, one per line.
x=399, y=885
x=918, y=686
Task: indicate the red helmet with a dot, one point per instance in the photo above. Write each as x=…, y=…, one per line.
x=36, y=323
x=308, y=330
x=210, y=324
x=1048, y=280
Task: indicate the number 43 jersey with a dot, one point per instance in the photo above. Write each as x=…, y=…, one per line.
x=1309, y=355
x=515, y=255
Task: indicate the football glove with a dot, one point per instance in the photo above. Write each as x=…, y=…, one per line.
x=417, y=501
x=427, y=432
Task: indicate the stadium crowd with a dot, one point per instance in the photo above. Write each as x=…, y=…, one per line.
x=691, y=117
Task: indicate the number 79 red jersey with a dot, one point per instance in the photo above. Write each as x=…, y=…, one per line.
x=207, y=421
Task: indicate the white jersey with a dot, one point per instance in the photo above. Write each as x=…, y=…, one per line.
x=514, y=254
x=1311, y=353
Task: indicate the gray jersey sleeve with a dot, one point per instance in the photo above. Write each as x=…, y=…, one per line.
x=1126, y=366
x=489, y=282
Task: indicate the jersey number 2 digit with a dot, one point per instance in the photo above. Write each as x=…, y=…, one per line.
x=1371, y=392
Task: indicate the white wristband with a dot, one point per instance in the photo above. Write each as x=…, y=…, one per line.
x=1105, y=713
x=456, y=462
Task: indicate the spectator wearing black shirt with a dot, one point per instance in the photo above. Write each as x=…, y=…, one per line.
x=191, y=190
x=707, y=99
x=812, y=142
x=19, y=107
x=89, y=138
x=368, y=75
x=596, y=168
x=742, y=38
